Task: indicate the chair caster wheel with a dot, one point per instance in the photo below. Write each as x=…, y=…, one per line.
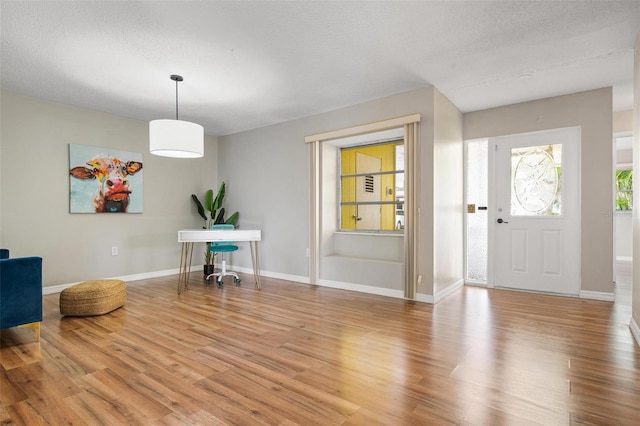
x=220, y=283
x=207, y=281
x=237, y=281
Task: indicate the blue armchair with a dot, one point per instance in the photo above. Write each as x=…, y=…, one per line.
x=20, y=292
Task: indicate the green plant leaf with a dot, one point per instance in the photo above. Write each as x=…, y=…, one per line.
x=220, y=217
x=208, y=200
x=199, y=206
x=217, y=203
x=624, y=188
x=233, y=219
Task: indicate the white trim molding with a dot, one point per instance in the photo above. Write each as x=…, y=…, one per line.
x=411, y=244
x=135, y=277
x=597, y=295
x=269, y=274
x=635, y=330
x=425, y=298
x=364, y=128
x=360, y=288
x=445, y=292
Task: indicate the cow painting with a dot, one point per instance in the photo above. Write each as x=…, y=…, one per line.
x=113, y=178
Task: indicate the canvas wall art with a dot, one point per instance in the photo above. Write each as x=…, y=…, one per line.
x=103, y=180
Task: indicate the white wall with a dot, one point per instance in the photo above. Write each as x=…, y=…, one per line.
x=624, y=156
x=624, y=235
x=34, y=198
x=592, y=110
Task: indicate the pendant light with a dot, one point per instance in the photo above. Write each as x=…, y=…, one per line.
x=176, y=138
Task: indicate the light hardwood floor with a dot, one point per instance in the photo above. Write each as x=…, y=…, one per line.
x=297, y=354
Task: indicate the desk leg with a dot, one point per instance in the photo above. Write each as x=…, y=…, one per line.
x=255, y=259
x=186, y=256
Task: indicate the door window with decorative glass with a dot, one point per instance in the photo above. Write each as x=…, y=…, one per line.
x=536, y=180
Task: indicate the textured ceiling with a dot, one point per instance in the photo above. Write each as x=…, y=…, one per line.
x=251, y=64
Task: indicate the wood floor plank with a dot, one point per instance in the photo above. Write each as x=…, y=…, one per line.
x=295, y=354
x=108, y=402
x=10, y=393
x=128, y=395
x=92, y=410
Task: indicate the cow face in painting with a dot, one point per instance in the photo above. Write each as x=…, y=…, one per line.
x=111, y=174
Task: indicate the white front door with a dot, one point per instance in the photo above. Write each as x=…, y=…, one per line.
x=368, y=190
x=536, y=212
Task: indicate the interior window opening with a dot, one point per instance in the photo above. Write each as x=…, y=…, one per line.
x=371, y=187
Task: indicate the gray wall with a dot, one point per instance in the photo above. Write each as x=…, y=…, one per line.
x=448, y=191
x=592, y=111
x=34, y=198
x=267, y=172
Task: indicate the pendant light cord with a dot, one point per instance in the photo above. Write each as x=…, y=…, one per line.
x=176, y=99
x=176, y=78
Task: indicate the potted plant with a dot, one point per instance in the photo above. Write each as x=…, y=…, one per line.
x=213, y=214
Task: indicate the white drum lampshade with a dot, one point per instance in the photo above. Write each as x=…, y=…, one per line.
x=176, y=138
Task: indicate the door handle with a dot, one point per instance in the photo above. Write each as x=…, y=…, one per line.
x=357, y=215
x=501, y=221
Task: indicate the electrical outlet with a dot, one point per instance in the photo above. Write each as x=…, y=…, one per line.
x=114, y=251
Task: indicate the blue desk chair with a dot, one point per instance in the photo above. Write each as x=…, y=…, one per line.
x=223, y=247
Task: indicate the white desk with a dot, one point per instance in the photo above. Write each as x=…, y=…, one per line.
x=189, y=236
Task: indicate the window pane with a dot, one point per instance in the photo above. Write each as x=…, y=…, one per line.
x=477, y=223
x=536, y=188
x=369, y=185
x=624, y=190
x=399, y=215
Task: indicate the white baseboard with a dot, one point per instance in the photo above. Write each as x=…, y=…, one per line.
x=449, y=290
x=635, y=330
x=398, y=294
x=135, y=277
x=472, y=283
x=596, y=295
x=127, y=278
x=425, y=298
x=277, y=275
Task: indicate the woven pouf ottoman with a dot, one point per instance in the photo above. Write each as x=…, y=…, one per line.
x=95, y=297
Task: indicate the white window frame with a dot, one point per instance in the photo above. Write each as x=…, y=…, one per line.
x=410, y=124
x=393, y=140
